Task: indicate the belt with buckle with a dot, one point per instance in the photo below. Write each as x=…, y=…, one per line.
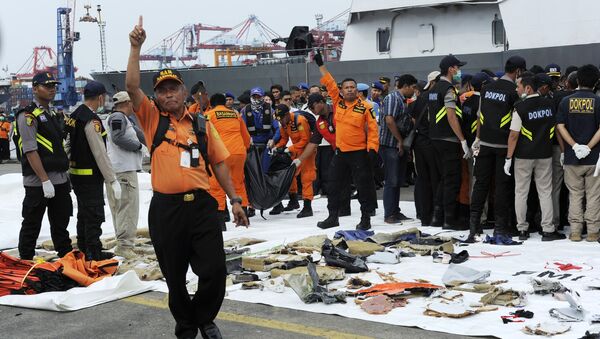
x=187, y=197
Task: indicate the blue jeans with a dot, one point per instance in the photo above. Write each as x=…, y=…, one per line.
x=394, y=167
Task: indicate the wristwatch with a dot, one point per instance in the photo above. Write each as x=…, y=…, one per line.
x=235, y=200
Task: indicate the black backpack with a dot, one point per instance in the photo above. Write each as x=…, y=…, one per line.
x=199, y=126
x=312, y=121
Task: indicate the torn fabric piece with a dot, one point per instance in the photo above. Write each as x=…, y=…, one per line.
x=353, y=235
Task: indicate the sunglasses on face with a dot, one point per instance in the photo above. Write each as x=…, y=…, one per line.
x=287, y=99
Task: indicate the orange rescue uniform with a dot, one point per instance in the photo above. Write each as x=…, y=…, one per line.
x=300, y=135
x=355, y=124
x=4, y=129
x=235, y=136
x=168, y=174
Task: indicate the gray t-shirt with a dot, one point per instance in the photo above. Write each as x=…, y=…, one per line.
x=27, y=133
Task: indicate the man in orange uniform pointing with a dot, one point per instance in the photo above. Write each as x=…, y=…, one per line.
x=296, y=127
x=236, y=138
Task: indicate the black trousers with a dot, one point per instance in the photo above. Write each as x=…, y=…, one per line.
x=341, y=201
x=426, y=195
x=4, y=149
x=188, y=233
x=323, y=161
x=490, y=161
x=448, y=155
x=60, y=209
x=353, y=165
x=90, y=215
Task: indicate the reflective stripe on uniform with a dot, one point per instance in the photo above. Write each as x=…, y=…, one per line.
x=458, y=112
x=440, y=114
x=527, y=133
x=474, y=126
x=506, y=119
x=552, y=132
x=37, y=112
x=481, y=118
x=81, y=171
x=103, y=133
x=44, y=142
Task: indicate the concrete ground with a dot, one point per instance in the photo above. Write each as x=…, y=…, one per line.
x=147, y=316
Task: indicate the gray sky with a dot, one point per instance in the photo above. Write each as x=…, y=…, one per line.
x=25, y=24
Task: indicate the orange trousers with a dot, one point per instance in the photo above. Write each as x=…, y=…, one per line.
x=308, y=173
x=235, y=163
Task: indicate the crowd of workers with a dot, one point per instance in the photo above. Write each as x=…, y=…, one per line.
x=489, y=150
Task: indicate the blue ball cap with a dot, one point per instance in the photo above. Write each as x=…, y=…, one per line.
x=377, y=85
x=229, y=95
x=480, y=79
x=362, y=86
x=93, y=89
x=303, y=85
x=257, y=91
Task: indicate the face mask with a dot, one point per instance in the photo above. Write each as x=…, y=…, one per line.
x=457, y=77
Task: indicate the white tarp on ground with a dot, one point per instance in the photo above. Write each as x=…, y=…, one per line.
x=103, y=291
x=535, y=258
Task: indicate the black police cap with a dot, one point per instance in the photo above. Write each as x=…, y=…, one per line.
x=450, y=61
x=44, y=78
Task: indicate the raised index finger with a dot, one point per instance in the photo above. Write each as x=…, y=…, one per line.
x=141, y=21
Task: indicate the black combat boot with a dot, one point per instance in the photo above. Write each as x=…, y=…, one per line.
x=96, y=253
x=277, y=209
x=293, y=204
x=365, y=223
x=474, y=228
x=306, y=210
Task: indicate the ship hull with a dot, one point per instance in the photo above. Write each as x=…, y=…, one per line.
x=236, y=79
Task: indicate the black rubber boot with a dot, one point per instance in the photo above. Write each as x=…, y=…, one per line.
x=277, y=209
x=210, y=331
x=364, y=224
x=331, y=221
x=474, y=228
x=293, y=204
x=306, y=210
x=97, y=254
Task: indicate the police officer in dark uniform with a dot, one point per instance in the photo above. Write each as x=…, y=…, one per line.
x=426, y=200
x=578, y=121
x=448, y=140
x=495, y=113
x=89, y=169
x=532, y=127
x=44, y=164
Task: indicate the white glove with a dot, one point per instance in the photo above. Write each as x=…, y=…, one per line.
x=507, y=164
x=597, y=170
x=116, y=187
x=581, y=151
x=475, y=147
x=270, y=143
x=297, y=162
x=562, y=159
x=48, y=189
x=466, y=149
